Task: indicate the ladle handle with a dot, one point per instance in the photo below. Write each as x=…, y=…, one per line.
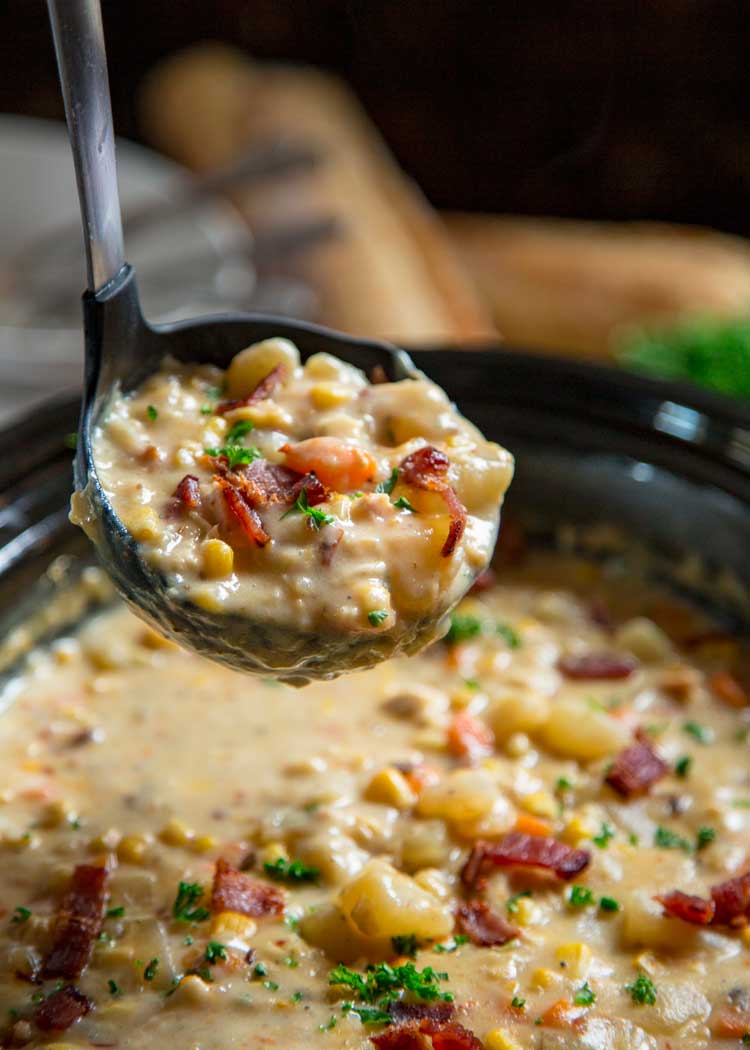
x=82, y=64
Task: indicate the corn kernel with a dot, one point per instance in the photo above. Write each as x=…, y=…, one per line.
x=105, y=841
x=55, y=813
x=218, y=559
x=232, y=929
x=329, y=395
x=544, y=978
x=274, y=851
x=576, y=830
x=390, y=787
x=577, y=958
x=176, y=833
x=527, y=913
x=540, y=804
x=132, y=849
x=517, y=744
x=499, y=1039
x=143, y=524
x=745, y=936
x=203, y=843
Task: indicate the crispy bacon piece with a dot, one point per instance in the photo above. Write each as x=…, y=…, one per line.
x=426, y=469
x=79, y=921
x=263, y=483
x=726, y=687
x=411, y=1036
x=635, y=769
x=688, y=907
x=243, y=513
x=234, y=891
x=732, y=901
x=518, y=850
x=62, y=1009
x=263, y=390
x=597, y=665
x=402, y=1011
x=188, y=493
x=484, y=926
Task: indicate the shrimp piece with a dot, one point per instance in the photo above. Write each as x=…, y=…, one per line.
x=338, y=466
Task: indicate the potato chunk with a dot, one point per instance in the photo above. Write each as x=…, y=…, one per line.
x=382, y=902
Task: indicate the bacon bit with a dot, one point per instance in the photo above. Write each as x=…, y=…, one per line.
x=426, y=469
x=597, y=665
x=635, y=769
x=245, y=516
x=726, y=687
x=411, y=1036
x=468, y=737
x=262, y=391
x=563, y=1014
x=234, y=891
x=79, y=921
x=188, y=493
x=330, y=540
x=402, y=1011
x=486, y=579
x=484, y=926
x=530, y=825
x=688, y=907
x=263, y=483
x=62, y=1009
x=732, y=901
x=524, y=851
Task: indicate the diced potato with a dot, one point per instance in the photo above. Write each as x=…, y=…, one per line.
x=327, y=367
x=644, y=639
x=577, y=730
x=329, y=395
x=462, y=795
x=253, y=364
x=425, y=845
x=390, y=787
x=382, y=902
x=678, y=1007
x=327, y=928
x=434, y=881
x=644, y=924
x=518, y=712
x=191, y=991
x=483, y=482
x=336, y=856
x=540, y=804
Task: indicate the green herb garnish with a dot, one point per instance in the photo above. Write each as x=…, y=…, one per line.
x=563, y=784
x=317, y=517
x=21, y=914
x=238, y=431
x=150, y=972
x=215, y=951
x=585, y=995
x=259, y=970
x=237, y=455
x=682, y=766
x=458, y=940
x=152, y=413
x=512, y=902
x=609, y=904
x=382, y=984
x=704, y=837
x=510, y=636
x=389, y=484
x=367, y=1014
x=403, y=504
x=642, y=990
x=517, y=1003
x=115, y=913
x=703, y=734
x=272, y=986
x=606, y=833
x=405, y=944
x=462, y=628
x=580, y=896
x=188, y=894
x=284, y=870
x=114, y=988
x=297, y=997
x=377, y=616
x=665, y=838
x=330, y=1025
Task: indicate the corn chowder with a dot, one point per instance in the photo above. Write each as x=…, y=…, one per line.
x=305, y=496
x=533, y=836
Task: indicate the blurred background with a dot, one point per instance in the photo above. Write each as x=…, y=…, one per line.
x=428, y=154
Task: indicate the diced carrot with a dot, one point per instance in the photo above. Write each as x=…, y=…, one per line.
x=563, y=1014
x=730, y=1022
x=421, y=776
x=529, y=825
x=726, y=687
x=469, y=737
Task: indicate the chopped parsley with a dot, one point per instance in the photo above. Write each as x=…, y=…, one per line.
x=642, y=990
x=462, y=628
x=609, y=904
x=114, y=988
x=297, y=997
x=238, y=430
x=237, y=455
x=377, y=616
x=665, y=838
x=703, y=734
x=682, y=766
x=606, y=833
x=215, y=951
x=580, y=897
x=367, y=1014
x=563, y=784
x=259, y=970
x=21, y=914
x=150, y=972
x=405, y=944
x=284, y=870
x=115, y=913
x=510, y=636
x=403, y=504
x=512, y=902
x=152, y=413
x=517, y=1003
x=188, y=894
x=272, y=986
x=380, y=985
x=330, y=1025
x=585, y=996
x=704, y=837
x=458, y=940
x=301, y=506
x=206, y=410
x=389, y=484
x=291, y=962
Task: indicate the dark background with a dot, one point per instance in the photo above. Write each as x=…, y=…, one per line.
x=594, y=108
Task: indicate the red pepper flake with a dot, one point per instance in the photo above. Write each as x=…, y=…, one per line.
x=426, y=469
x=411, y=1036
x=585, y=666
x=484, y=926
x=689, y=908
x=517, y=849
x=62, y=1009
x=245, y=515
x=635, y=769
x=234, y=891
x=262, y=391
x=79, y=921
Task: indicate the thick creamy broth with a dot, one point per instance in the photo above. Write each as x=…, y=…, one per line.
x=304, y=496
x=360, y=801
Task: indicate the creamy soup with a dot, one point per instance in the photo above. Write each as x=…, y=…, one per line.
x=306, y=496
x=535, y=835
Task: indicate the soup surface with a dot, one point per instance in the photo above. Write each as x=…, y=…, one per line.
x=304, y=496
x=194, y=859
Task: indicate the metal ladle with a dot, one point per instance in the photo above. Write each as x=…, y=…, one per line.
x=122, y=349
